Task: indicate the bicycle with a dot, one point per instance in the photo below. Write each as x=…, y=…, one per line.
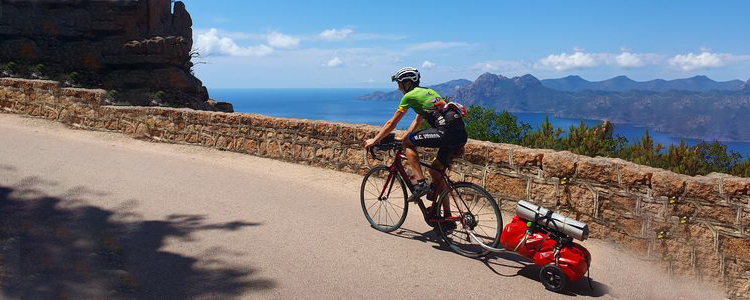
x=478, y=213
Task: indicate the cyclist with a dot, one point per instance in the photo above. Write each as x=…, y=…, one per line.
x=444, y=130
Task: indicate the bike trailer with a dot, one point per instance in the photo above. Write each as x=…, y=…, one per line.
x=542, y=240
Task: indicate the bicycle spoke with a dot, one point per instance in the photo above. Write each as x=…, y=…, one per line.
x=371, y=193
x=484, y=214
x=378, y=210
x=475, y=202
x=392, y=206
x=486, y=220
x=465, y=198
x=375, y=187
x=382, y=212
x=368, y=209
x=485, y=233
x=483, y=205
x=387, y=214
x=396, y=205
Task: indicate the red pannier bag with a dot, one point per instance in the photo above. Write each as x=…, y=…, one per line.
x=573, y=260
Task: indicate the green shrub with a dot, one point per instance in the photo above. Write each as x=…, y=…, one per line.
x=700, y=159
x=485, y=124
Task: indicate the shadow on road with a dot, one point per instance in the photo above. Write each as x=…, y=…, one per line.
x=581, y=287
x=429, y=236
x=61, y=248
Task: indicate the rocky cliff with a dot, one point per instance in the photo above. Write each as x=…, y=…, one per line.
x=140, y=50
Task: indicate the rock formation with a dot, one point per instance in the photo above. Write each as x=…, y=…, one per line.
x=139, y=48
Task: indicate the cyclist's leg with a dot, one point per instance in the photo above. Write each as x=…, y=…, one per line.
x=441, y=161
x=412, y=158
x=430, y=138
x=453, y=145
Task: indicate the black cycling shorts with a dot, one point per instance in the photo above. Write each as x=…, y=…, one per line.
x=446, y=142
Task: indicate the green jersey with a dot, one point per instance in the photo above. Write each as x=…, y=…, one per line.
x=422, y=101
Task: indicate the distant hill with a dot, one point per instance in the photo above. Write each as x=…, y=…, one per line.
x=447, y=89
x=698, y=83
x=714, y=114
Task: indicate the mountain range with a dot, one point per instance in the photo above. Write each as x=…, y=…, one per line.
x=698, y=83
x=709, y=115
x=575, y=83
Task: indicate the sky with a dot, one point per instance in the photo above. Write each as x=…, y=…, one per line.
x=360, y=44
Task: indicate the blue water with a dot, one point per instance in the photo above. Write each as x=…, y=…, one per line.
x=341, y=105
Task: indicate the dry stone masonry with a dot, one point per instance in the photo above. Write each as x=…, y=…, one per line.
x=692, y=226
x=136, y=47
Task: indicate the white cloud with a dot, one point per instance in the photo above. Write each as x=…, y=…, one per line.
x=335, y=34
x=334, y=62
x=428, y=64
x=627, y=59
x=210, y=43
x=279, y=40
x=563, y=62
x=705, y=60
x=234, y=35
x=436, y=45
x=581, y=60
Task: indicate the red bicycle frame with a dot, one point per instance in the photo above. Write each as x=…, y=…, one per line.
x=398, y=167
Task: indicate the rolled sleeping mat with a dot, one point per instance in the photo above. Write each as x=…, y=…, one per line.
x=559, y=223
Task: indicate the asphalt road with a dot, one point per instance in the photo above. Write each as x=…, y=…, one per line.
x=93, y=214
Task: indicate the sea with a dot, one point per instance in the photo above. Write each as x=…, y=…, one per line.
x=342, y=105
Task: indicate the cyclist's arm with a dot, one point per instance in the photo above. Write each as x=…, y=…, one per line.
x=390, y=125
x=414, y=125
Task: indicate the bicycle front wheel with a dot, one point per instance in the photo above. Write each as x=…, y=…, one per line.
x=383, y=197
x=477, y=209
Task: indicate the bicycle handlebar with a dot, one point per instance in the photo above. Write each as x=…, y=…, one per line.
x=387, y=143
x=383, y=146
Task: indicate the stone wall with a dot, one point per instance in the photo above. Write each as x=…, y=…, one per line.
x=137, y=47
x=692, y=226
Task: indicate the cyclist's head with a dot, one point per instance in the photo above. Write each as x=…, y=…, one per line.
x=407, y=78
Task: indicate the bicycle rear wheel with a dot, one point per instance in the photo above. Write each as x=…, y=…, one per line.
x=478, y=209
x=383, y=203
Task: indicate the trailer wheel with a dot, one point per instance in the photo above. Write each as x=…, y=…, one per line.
x=553, y=278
